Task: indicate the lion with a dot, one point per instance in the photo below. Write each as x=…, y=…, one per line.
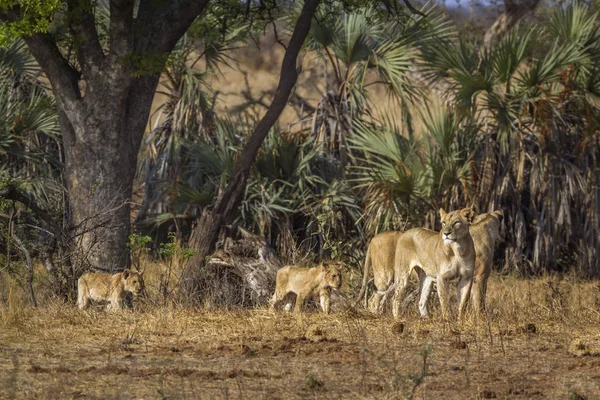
x=440, y=256
x=380, y=258
x=485, y=230
x=100, y=286
x=306, y=283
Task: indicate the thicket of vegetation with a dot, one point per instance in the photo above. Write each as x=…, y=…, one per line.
x=512, y=125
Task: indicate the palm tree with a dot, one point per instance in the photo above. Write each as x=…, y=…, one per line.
x=535, y=105
x=364, y=48
x=30, y=168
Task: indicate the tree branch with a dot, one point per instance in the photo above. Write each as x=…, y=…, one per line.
x=83, y=27
x=29, y=279
x=393, y=8
x=514, y=10
x=160, y=24
x=63, y=77
x=206, y=232
x=158, y=27
x=288, y=76
x=121, y=28
x=11, y=192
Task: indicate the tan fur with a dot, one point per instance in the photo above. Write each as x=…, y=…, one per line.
x=99, y=286
x=379, y=258
x=442, y=256
x=485, y=230
x=306, y=283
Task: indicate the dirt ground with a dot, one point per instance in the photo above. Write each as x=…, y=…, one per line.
x=530, y=346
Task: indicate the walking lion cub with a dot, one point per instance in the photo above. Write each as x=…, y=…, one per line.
x=306, y=283
x=100, y=286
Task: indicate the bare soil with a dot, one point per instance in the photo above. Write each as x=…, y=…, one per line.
x=59, y=352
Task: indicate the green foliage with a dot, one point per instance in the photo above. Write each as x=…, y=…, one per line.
x=146, y=64
x=172, y=248
x=522, y=116
x=515, y=127
x=35, y=16
x=29, y=129
x=326, y=221
x=362, y=41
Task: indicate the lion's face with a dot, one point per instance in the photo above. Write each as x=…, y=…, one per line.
x=333, y=277
x=133, y=282
x=455, y=224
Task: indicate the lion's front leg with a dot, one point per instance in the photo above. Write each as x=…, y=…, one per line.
x=299, y=301
x=442, y=289
x=399, y=290
x=477, y=293
x=116, y=303
x=325, y=300
x=83, y=298
x=275, y=300
x=463, y=292
x=426, y=285
x=478, y=290
x=374, y=304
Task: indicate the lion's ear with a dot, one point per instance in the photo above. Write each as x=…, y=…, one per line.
x=442, y=213
x=125, y=274
x=140, y=273
x=469, y=214
x=499, y=214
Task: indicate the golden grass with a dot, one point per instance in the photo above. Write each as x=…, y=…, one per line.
x=540, y=339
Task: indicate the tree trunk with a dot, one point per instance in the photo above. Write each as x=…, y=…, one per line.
x=101, y=147
x=99, y=178
x=514, y=10
x=206, y=232
x=104, y=100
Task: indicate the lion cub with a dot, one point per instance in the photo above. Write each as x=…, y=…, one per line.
x=100, y=286
x=306, y=283
x=440, y=256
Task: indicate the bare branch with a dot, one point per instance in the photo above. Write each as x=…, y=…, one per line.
x=392, y=8
x=13, y=193
x=29, y=278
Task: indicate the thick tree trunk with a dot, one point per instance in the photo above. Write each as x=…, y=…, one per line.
x=104, y=103
x=206, y=232
x=99, y=183
x=101, y=148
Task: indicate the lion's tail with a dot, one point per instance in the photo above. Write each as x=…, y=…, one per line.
x=366, y=268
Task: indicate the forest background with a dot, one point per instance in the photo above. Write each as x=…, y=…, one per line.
x=395, y=114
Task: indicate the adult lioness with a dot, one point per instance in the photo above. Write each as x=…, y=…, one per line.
x=485, y=230
x=100, y=286
x=307, y=282
x=380, y=258
x=444, y=256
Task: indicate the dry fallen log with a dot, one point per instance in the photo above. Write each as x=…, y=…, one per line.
x=240, y=273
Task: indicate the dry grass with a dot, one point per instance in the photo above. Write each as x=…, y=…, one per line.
x=540, y=340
